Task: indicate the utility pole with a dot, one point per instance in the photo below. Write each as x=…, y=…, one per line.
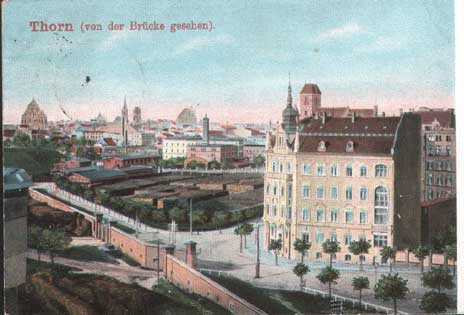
x=257, y=252
x=191, y=217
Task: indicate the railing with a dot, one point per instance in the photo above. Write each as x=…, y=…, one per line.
x=219, y=273
x=337, y=297
x=214, y=171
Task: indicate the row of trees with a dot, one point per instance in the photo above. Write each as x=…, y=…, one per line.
x=389, y=287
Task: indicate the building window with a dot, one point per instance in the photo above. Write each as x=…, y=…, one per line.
x=347, y=257
x=363, y=171
x=320, y=215
x=268, y=209
x=448, y=165
x=333, y=238
x=438, y=165
x=306, y=192
x=289, y=190
x=318, y=255
x=362, y=237
x=362, y=258
x=380, y=240
x=448, y=150
x=349, y=193
x=363, y=193
x=334, y=170
x=440, y=180
x=429, y=179
x=430, y=194
x=274, y=210
x=381, y=206
x=305, y=214
x=437, y=150
x=334, y=192
x=430, y=149
x=449, y=180
x=282, y=191
x=268, y=188
x=448, y=138
x=333, y=215
x=289, y=167
x=281, y=167
x=429, y=165
x=319, y=237
x=306, y=169
x=320, y=192
x=305, y=237
x=347, y=239
x=349, y=171
x=380, y=170
x=363, y=216
x=275, y=190
x=348, y=215
x=320, y=169
x=289, y=213
x=282, y=210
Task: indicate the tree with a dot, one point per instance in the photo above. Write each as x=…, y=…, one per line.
x=21, y=140
x=331, y=248
x=302, y=247
x=247, y=230
x=388, y=254
x=434, y=302
x=359, y=284
x=218, y=219
x=391, y=287
x=451, y=253
x=276, y=247
x=358, y=248
x=329, y=275
x=438, y=278
x=178, y=214
x=35, y=239
x=420, y=252
x=55, y=242
x=239, y=231
x=300, y=270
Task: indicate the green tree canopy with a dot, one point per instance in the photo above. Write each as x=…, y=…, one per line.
x=300, y=270
x=438, y=278
x=388, y=254
x=331, y=247
x=358, y=248
x=391, y=287
x=302, y=247
x=434, y=302
x=421, y=252
x=359, y=284
x=276, y=247
x=329, y=276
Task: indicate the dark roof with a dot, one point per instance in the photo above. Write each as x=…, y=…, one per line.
x=368, y=125
x=15, y=179
x=136, y=168
x=445, y=118
x=103, y=174
x=310, y=88
x=375, y=135
x=80, y=169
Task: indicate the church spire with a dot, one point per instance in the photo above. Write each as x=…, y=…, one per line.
x=289, y=97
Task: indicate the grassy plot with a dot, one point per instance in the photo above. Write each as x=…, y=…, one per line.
x=281, y=302
x=192, y=303
x=88, y=253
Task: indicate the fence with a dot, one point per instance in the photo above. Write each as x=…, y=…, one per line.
x=212, y=171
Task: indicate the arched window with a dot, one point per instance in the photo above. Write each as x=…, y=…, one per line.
x=381, y=205
x=320, y=215
x=380, y=170
x=363, y=171
x=349, y=170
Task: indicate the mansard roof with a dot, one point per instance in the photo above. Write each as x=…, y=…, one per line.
x=310, y=88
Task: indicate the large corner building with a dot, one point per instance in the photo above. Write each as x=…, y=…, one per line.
x=344, y=179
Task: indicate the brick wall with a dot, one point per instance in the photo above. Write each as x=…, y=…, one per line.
x=189, y=279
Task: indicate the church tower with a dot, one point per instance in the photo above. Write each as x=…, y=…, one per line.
x=310, y=100
x=289, y=114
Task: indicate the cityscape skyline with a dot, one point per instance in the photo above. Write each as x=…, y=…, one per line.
x=237, y=71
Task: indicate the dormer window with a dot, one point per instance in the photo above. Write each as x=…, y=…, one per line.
x=321, y=147
x=349, y=146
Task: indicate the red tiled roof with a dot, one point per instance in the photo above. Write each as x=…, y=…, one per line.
x=109, y=141
x=216, y=133
x=228, y=127
x=310, y=88
x=445, y=118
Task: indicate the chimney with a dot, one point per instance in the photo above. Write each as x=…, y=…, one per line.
x=376, y=110
x=383, y=114
x=323, y=117
x=353, y=117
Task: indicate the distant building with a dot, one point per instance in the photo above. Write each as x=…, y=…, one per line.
x=206, y=153
x=251, y=151
x=120, y=161
x=187, y=117
x=15, y=199
x=95, y=177
x=310, y=105
x=343, y=179
x=438, y=153
x=34, y=117
x=176, y=147
x=137, y=117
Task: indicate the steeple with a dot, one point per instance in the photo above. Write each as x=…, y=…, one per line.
x=289, y=97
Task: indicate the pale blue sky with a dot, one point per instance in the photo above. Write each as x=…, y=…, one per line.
x=394, y=53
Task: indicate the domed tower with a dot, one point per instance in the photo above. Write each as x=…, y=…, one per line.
x=289, y=114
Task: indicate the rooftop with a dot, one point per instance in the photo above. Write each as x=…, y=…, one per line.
x=15, y=179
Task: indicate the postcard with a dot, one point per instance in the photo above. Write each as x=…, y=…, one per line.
x=247, y=157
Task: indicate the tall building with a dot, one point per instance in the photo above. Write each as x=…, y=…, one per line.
x=438, y=154
x=137, y=117
x=310, y=105
x=15, y=197
x=206, y=129
x=343, y=179
x=34, y=117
